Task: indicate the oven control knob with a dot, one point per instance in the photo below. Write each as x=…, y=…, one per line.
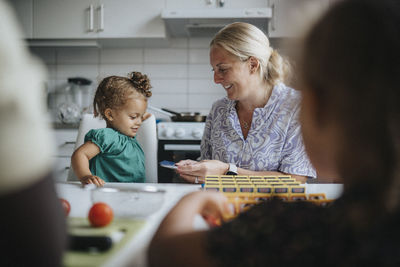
x=197, y=133
x=168, y=132
x=179, y=132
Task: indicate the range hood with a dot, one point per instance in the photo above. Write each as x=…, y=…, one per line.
x=206, y=22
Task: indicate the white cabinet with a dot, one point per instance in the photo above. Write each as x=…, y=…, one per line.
x=65, y=144
x=182, y=4
x=127, y=18
x=64, y=19
x=89, y=19
x=287, y=14
x=24, y=12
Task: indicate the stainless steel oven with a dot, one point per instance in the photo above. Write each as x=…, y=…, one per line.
x=177, y=141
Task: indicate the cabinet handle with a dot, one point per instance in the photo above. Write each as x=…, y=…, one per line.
x=273, y=17
x=101, y=18
x=70, y=142
x=91, y=10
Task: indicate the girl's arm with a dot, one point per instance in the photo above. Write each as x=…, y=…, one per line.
x=176, y=243
x=80, y=163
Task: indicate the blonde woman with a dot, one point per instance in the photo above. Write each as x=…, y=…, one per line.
x=254, y=130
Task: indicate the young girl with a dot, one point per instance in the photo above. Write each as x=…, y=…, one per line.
x=113, y=154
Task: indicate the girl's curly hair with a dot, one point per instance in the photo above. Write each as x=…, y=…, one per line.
x=113, y=91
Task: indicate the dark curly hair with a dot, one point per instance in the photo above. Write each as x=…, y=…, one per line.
x=113, y=91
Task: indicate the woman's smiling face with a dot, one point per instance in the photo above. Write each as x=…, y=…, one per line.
x=230, y=72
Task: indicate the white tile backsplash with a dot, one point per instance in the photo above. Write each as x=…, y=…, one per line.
x=51, y=71
x=77, y=56
x=171, y=71
x=121, y=56
x=118, y=69
x=169, y=86
x=48, y=55
x=203, y=71
x=178, y=68
x=165, y=56
x=74, y=70
x=176, y=102
x=203, y=101
x=199, y=43
x=199, y=56
x=204, y=86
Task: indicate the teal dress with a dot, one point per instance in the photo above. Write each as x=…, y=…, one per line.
x=121, y=159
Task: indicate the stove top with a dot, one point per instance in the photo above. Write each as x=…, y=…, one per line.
x=180, y=130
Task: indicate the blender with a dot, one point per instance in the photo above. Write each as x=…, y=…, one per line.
x=76, y=100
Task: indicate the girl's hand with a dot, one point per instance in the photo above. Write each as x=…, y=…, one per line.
x=190, y=169
x=92, y=179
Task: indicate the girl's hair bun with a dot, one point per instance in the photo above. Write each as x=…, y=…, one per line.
x=141, y=83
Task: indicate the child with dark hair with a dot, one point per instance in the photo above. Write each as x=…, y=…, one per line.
x=112, y=154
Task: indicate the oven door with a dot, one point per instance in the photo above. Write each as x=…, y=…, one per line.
x=175, y=150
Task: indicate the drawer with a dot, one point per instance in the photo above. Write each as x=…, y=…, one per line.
x=61, y=168
x=65, y=141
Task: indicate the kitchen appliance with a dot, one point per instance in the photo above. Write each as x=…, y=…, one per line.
x=81, y=92
x=186, y=116
x=73, y=99
x=177, y=141
x=205, y=22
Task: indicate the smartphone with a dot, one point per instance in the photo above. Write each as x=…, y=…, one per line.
x=168, y=164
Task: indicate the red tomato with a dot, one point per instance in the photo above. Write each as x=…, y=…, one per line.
x=100, y=214
x=66, y=206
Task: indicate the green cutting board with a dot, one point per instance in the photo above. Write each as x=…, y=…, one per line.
x=81, y=226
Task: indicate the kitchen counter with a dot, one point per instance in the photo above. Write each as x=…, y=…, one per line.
x=60, y=125
x=134, y=252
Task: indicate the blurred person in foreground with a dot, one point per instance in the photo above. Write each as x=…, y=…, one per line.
x=350, y=76
x=32, y=219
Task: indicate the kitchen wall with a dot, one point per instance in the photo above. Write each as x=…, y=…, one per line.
x=179, y=70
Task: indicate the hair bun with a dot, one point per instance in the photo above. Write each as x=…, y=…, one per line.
x=141, y=82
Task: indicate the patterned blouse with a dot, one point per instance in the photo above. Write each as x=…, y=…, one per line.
x=273, y=143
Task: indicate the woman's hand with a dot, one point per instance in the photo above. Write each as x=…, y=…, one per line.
x=92, y=179
x=193, y=171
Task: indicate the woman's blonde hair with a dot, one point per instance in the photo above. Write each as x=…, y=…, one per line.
x=114, y=91
x=245, y=40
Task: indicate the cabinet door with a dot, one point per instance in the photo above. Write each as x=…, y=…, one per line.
x=24, y=12
x=287, y=14
x=64, y=19
x=62, y=167
x=128, y=19
x=181, y=4
x=65, y=141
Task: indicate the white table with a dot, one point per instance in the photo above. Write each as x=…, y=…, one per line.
x=134, y=253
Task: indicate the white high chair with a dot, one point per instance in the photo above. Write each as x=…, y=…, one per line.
x=146, y=136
